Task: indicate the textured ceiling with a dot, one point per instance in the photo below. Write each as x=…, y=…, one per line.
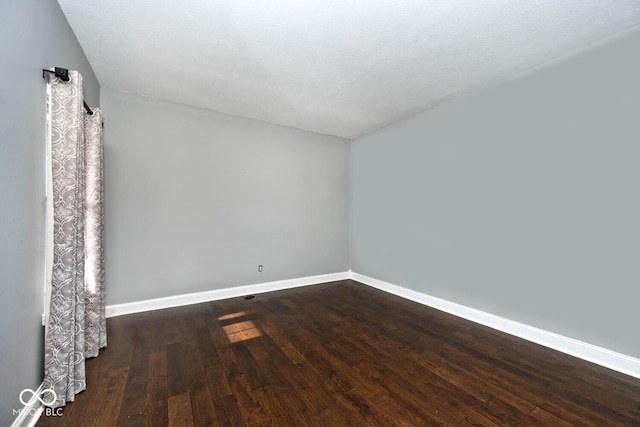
x=343, y=67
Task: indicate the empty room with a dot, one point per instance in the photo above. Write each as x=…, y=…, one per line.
x=308, y=213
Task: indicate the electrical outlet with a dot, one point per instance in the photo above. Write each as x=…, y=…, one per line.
x=260, y=268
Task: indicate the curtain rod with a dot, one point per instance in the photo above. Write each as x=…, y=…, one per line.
x=63, y=74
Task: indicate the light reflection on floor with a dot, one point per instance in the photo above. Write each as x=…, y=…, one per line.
x=232, y=315
x=241, y=330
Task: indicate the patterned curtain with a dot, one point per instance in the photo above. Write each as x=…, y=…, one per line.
x=76, y=327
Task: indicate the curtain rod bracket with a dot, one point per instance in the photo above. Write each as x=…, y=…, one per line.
x=63, y=74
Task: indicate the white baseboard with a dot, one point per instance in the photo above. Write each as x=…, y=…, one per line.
x=610, y=359
x=30, y=413
x=218, y=294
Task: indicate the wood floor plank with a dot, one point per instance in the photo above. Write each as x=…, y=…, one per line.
x=202, y=401
x=213, y=365
x=277, y=414
x=156, y=403
x=176, y=382
x=502, y=412
x=393, y=412
x=108, y=410
x=548, y=419
x=180, y=410
x=135, y=393
x=228, y=412
x=339, y=353
x=248, y=404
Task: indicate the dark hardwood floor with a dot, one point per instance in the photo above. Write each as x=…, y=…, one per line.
x=336, y=354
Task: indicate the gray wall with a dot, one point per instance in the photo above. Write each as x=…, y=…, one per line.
x=521, y=200
x=33, y=35
x=196, y=200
